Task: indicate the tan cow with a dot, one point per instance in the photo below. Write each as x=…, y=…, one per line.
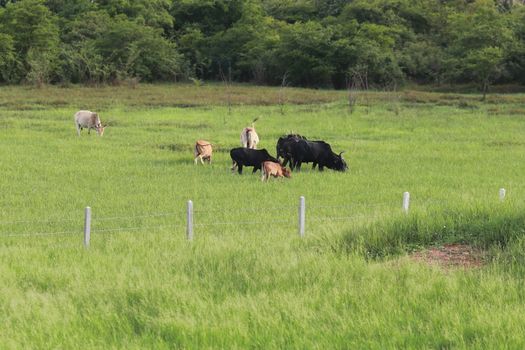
x=249, y=138
x=274, y=169
x=89, y=120
x=202, y=151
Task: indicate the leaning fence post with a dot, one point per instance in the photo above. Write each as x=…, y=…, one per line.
x=406, y=202
x=502, y=194
x=189, y=224
x=87, y=226
x=302, y=216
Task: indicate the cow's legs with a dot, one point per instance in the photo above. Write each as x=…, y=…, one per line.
x=200, y=157
x=234, y=166
x=314, y=165
x=292, y=163
x=239, y=168
x=321, y=167
x=195, y=160
x=78, y=129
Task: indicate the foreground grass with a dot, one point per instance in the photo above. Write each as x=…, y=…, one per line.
x=247, y=280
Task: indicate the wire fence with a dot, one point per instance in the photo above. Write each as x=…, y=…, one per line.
x=203, y=219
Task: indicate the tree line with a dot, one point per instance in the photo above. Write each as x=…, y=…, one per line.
x=313, y=43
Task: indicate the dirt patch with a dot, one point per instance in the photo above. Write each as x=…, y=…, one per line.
x=451, y=255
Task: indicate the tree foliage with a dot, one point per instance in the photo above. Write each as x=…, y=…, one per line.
x=311, y=42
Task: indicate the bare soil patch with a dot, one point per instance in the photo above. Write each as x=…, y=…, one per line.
x=452, y=255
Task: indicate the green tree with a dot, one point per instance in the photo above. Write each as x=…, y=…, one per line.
x=479, y=41
x=135, y=50
x=515, y=59
x=152, y=13
x=7, y=57
x=209, y=16
x=33, y=27
x=304, y=52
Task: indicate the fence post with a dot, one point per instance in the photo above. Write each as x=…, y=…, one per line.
x=87, y=226
x=189, y=224
x=502, y=194
x=302, y=216
x=406, y=202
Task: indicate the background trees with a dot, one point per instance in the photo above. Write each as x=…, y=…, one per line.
x=316, y=43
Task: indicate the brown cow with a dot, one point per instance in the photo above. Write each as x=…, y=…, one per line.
x=202, y=151
x=274, y=169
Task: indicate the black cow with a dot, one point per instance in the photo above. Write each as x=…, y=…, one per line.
x=284, y=147
x=249, y=157
x=318, y=152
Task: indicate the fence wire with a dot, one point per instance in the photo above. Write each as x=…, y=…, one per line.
x=316, y=213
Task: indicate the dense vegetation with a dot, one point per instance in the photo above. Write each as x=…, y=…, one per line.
x=350, y=283
x=328, y=43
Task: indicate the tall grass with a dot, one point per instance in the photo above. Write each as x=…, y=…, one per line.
x=248, y=280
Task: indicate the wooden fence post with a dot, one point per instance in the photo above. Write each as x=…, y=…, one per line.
x=87, y=226
x=189, y=223
x=406, y=202
x=502, y=193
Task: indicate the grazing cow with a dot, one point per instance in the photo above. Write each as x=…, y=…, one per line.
x=274, y=169
x=249, y=138
x=202, y=151
x=284, y=147
x=318, y=152
x=89, y=120
x=249, y=157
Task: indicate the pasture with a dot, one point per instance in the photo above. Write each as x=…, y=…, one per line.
x=247, y=280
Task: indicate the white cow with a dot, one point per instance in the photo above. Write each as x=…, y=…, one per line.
x=249, y=138
x=89, y=120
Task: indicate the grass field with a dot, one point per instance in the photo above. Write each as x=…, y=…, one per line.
x=247, y=280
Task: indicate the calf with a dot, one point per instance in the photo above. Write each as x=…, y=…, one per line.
x=202, y=151
x=89, y=120
x=274, y=169
x=249, y=138
x=249, y=157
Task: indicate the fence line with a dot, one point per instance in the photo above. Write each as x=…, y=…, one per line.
x=243, y=222
x=120, y=229
x=35, y=221
x=107, y=218
x=41, y=234
x=258, y=209
x=223, y=210
x=403, y=206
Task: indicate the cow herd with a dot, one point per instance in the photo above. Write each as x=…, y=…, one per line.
x=294, y=150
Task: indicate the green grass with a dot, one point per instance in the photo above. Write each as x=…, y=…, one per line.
x=348, y=284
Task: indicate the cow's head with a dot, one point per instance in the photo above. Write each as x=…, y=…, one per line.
x=100, y=128
x=286, y=172
x=95, y=119
x=338, y=162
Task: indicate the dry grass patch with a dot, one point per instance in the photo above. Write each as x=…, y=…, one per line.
x=452, y=255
